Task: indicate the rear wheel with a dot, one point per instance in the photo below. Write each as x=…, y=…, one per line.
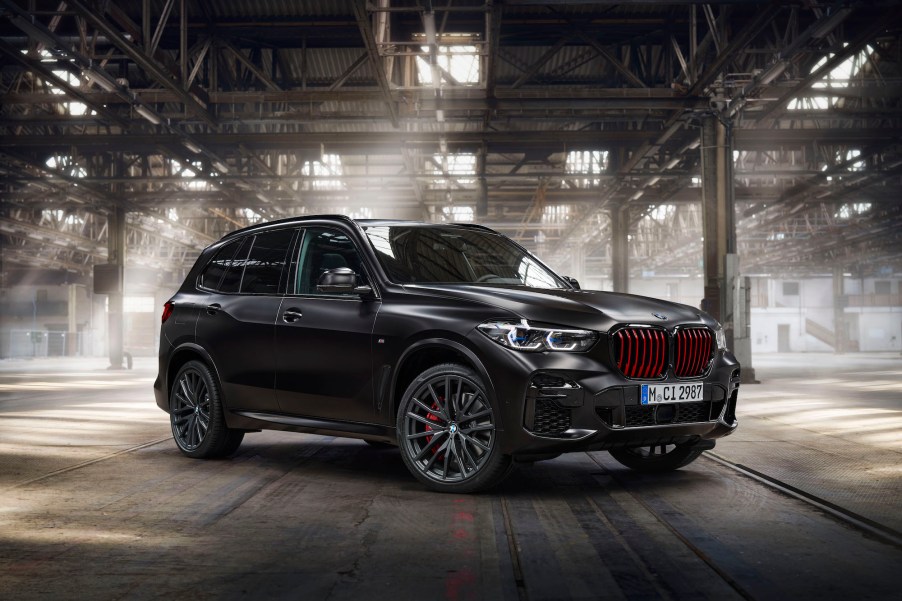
x=196, y=414
x=657, y=458
x=447, y=431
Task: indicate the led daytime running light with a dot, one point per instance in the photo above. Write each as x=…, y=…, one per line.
x=525, y=337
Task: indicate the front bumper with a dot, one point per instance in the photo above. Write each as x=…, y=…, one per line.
x=557, y=402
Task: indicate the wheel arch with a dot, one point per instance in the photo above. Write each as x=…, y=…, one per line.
x=182, y=355
x=432, y=351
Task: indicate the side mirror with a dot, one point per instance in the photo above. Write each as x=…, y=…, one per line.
x=572, y=281
x=341, y=280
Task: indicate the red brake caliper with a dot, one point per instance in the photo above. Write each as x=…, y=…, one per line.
x=433, y=418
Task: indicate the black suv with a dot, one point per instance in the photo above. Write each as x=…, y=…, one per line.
x=450, y=341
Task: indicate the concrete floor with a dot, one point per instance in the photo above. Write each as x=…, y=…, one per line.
x=96, y=503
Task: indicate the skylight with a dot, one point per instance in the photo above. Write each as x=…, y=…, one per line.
x=852, y=209
x=66, y=165
x=460, y=61
x=839, y=77
x=76, y=109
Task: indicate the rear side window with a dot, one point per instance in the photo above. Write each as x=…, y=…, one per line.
x=220, y=263
x=266, y=262
x=231, y=280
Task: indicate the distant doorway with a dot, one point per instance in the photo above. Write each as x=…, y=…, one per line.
x=783, y=338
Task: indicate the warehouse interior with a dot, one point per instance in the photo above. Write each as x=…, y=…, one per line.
x=742, y=156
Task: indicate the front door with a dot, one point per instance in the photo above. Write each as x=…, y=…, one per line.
x=323, y=341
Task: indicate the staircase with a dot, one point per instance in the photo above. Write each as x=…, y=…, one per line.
x=812, y=328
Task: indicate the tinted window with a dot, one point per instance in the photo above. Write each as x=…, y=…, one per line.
x=442, y=254
x=266, y=261
x=321, y=250
x=231, y=280
x=212, y=274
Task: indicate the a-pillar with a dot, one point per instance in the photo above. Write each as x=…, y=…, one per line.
x=620, y=230
x=116, y=257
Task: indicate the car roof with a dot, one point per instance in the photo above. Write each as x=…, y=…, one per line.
x=346, y=219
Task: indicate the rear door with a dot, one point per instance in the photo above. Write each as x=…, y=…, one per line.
x=323, y=341
x=236, y=321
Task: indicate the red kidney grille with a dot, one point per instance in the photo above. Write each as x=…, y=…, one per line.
x=641, y=352
x=692, y=352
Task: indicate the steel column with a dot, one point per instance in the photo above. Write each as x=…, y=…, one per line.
x=718, y=219
x=620, y=229
x=116, y=315
x=839, y=314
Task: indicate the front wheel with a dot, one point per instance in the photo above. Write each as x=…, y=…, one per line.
x=196, y=414
x=447, y=431
x=656, y=458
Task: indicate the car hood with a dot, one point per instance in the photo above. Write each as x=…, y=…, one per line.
x=589, y=309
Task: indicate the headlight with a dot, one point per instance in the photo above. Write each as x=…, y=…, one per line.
x=721, y=338
x=524, y=337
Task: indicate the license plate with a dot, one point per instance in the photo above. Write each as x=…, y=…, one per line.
x=653, y=394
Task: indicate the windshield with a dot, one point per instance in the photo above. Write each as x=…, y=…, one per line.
x=455, y=255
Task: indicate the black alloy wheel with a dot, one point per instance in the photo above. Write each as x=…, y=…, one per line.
x=447, y=431
x=656, y=458
x=196, y=414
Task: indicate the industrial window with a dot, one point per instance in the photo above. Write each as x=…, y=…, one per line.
x=459, y=214
x=138, y=304
x=790, y=288
x=266, y=262
x=324, y=170
x=458, y=62
x=883, y=287
x=589, y=162
x=461, y=167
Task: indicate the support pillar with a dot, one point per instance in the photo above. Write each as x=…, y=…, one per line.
x=116, y=257
x=717, y=211
x=840, y=329
x=578, y=263
x=72, y=330
x=482, y=201
x=726, y=291
x=620, y=229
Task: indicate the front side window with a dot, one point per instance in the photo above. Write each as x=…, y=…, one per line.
x=455, y=255
x=320, y=250
x=266, y=262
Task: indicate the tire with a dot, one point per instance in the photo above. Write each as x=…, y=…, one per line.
x=196, y=414
x=464, y=453
x=657, y=458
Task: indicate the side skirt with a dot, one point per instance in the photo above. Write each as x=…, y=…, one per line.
x=257, y=420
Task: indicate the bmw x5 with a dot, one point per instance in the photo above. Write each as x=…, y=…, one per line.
x=450, y=341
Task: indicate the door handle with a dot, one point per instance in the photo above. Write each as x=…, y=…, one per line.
x=291, y=315
x=213, y=309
